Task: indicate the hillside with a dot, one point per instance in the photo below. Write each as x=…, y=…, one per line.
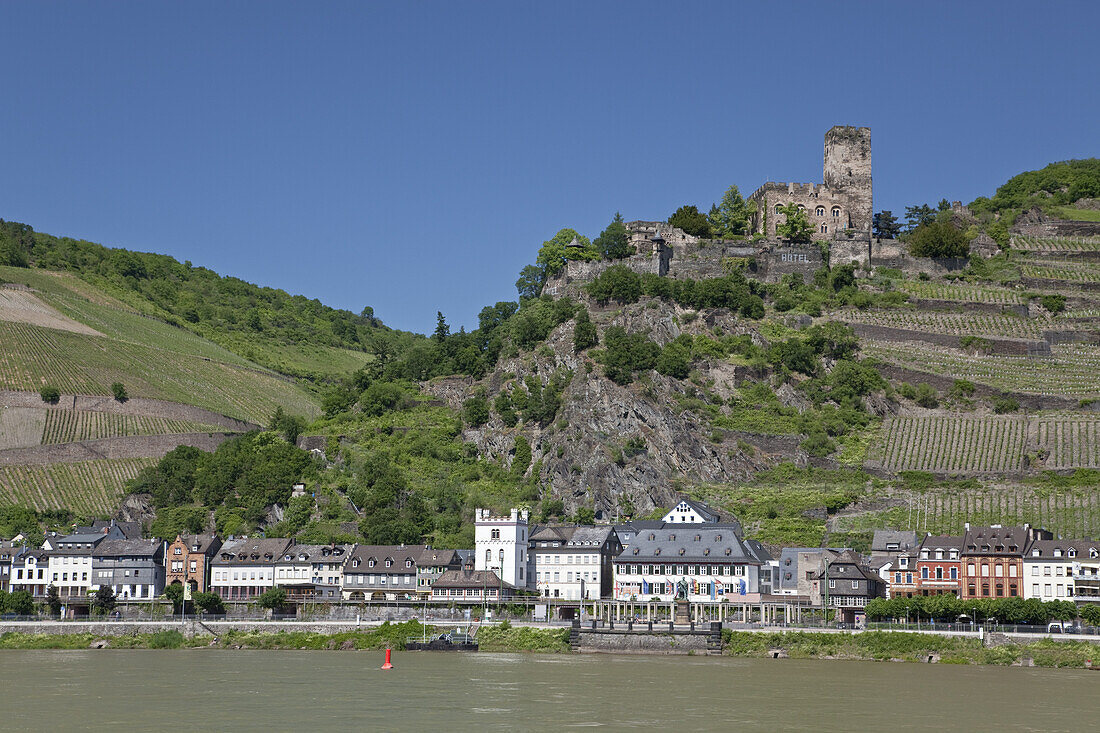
x=816, y=391
x=289, y=334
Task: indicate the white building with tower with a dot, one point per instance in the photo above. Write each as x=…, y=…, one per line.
x=501, y=545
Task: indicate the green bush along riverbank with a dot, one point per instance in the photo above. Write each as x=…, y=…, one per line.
x=900, y=646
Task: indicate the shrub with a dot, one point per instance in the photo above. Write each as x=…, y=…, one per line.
x=1053, y=303
x=475, y=410
x=168, y=639
x=584, y=332
x=618, y=283
x=927, y=396
x=907, y=391
x=50, y=394
x=1002, y=405
x=119, y=391
x=938, y=239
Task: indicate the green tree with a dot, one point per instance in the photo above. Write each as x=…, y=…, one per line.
x=530, y=282
x=584, y=332
x=19, y=602
x=614, y=241
x=118, y=389
x=939, y=239
x=174, y=593
x=691, y=220
x=503, y=406
x=795, y=227
x=442, y=330
x=50, y=394
x=273, y=598
x=731, y=216
x=585, y=515
x=885, y=225
x=104, y=601
x=618, y=283
x=675, y=360
x=565, y=245
x=53, y=600
x=522, y=459
x=475, y=410
x=626, y=353
x=916, y=216
x=209, y=602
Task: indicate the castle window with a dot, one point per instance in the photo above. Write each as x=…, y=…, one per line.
x=778, y=209
x=495, y=534
x=824, y=228
x=801, y=207
x=820, y=211
x=836, y=212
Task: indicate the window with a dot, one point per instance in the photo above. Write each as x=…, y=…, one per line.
x=832, y=583
x=495, y=534
x=824, y=228
x=924, y=573
x=939, y=573
x=778, y=209
x=954, y=573
x=488, y=557
x=1035, y=589
x=502, y=558
x=820, y=211
x=836, y=212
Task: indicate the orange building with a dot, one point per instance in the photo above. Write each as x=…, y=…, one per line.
x=188, y=560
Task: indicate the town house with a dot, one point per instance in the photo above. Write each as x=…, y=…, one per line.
x=845, y=584
x=1062, y=570
x=381, y=572
x=992, y=560
x=30, y=572
x=243, y=569
x=188, y=560
x=712, y=560
x=133, y=569
x=433, y=563
x=311, y=572
x=573, y=562
x=70, y=559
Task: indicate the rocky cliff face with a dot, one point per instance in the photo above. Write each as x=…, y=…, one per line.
x=590, y=454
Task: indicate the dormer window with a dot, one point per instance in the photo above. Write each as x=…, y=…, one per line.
x=408, y=563
x=706, y=551
x=370, y=563
x=1072, y=552
x=635, y=550
x=657, y=551
x=1057, y=551
x=355, y=563
x=1036, y=553
x=903, y=562
x=718, y=538
x=698, y=537
x=728, y=551
x=924, y=554
x=681, y=551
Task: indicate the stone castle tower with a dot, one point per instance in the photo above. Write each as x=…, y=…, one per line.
x=839, y=208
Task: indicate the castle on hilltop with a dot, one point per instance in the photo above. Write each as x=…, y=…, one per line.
x=839, y=208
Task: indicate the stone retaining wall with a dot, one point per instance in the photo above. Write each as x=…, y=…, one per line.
x=134, y=446
x=134, y=406
x=642, y=642
x=942, y=383
x=999, y=346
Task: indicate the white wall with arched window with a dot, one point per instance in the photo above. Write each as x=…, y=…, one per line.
x=836, y=212
x=820, y=211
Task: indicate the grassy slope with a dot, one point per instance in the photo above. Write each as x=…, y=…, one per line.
x=151, y=358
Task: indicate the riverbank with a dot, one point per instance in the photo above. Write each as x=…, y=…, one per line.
x=868, y=646
x=896, y=646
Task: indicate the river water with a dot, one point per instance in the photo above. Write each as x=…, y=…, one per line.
x=227, y=690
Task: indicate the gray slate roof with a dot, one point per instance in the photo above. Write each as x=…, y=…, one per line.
x=252, y=551
x=692, y=543
x=469, y=579
x=129, y=548
x=884, y=540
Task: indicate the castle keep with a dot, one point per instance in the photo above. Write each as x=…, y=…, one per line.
x=839, y=208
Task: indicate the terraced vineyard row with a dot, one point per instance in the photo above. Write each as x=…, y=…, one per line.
x=963, y=293
x=1055, y=244
x=67, y=426
x=1069, y=513
x=1072, y=370
x=1070, y=442
x=954, y=444
x=1061, y=271
x=89, y=488
x=74, y=363
x=961, y=324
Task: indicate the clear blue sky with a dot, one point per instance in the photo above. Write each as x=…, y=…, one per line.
x=412, y=156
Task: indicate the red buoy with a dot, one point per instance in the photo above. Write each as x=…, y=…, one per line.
x=388, y=664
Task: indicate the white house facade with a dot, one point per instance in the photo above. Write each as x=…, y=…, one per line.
x=500, y=545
